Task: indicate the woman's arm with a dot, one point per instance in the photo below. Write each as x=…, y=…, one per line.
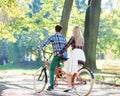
x=67, y=45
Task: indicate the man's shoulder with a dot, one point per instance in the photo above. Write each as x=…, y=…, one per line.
x=58, y=34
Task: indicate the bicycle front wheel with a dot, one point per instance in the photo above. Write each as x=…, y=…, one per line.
x=40, y=80
x=83, y=82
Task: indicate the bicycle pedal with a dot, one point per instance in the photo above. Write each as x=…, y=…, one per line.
x=60, y=76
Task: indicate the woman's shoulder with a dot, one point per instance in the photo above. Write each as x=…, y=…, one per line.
x=71, y=40
x=72, y=37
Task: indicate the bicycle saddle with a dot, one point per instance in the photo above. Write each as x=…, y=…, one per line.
x=81, y=62
x=62, y=59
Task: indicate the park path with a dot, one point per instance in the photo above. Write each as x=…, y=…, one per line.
x=21, y=84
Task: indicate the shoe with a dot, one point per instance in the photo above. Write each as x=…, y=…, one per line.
x=67, y=90
x=50, y=88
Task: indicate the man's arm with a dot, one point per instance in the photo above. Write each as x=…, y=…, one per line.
x=46, y=42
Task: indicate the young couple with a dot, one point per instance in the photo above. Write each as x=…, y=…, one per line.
x=60, y=49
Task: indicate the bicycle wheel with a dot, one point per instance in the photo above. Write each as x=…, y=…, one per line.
x=83, y=82
x=40, y=80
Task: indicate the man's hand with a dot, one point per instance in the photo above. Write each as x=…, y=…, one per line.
x=58, y=53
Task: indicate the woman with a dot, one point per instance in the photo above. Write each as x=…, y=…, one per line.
x=77, y=42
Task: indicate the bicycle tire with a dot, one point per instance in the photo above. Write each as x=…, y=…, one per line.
x=40, y=80
x=84, y=81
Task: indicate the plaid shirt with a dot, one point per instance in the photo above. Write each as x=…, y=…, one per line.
x=58, y=42
x=72, y=43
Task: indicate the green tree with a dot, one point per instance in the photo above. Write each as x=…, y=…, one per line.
x=38, y=26
x=109, y=36
x=9, y=10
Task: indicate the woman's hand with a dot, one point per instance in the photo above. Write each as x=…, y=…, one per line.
x=58, y=53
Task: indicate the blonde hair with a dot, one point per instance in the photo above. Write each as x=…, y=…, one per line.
x=79, y=40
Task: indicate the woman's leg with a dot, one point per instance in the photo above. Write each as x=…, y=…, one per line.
x=69, y=78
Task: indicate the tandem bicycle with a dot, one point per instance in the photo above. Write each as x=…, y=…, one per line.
x=82, y=82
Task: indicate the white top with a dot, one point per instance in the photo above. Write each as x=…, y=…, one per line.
x=71, y=65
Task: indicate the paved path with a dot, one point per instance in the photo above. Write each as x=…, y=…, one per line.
x=19, y=84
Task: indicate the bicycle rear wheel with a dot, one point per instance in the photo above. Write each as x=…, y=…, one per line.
x=83, y=82
x=40, y=80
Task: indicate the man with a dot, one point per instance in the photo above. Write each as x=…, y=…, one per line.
x=58, y=42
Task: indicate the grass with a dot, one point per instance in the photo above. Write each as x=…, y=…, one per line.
x=34, y=67
x=12, y=67
x=22, y=68
x=17, y=67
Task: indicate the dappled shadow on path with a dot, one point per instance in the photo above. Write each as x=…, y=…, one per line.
x=22, y=85
x=104, y=90
x=2, y=87
x=15, y=85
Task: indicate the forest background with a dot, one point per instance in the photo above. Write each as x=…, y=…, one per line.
x=25, y=24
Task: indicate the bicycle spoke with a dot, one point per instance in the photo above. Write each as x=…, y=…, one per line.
x=83, y=82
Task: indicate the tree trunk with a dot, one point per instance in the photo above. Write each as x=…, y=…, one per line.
x=65, y=15
x=3, y=54
x=91, y=32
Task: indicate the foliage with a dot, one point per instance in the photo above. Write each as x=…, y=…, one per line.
x=81, y=5
x=25, y=25
x=30, y=30
x=9, y=10
x=109, y=35
x=4, y=33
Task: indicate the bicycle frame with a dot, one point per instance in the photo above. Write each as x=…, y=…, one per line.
x=83, y=77
x=58, y=74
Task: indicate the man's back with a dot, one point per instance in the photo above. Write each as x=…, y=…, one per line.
x=58, y=42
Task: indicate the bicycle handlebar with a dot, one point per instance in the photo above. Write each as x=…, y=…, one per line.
x=44, y=52
x=47, y=52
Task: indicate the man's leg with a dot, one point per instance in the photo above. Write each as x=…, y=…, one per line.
x=53, y=65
